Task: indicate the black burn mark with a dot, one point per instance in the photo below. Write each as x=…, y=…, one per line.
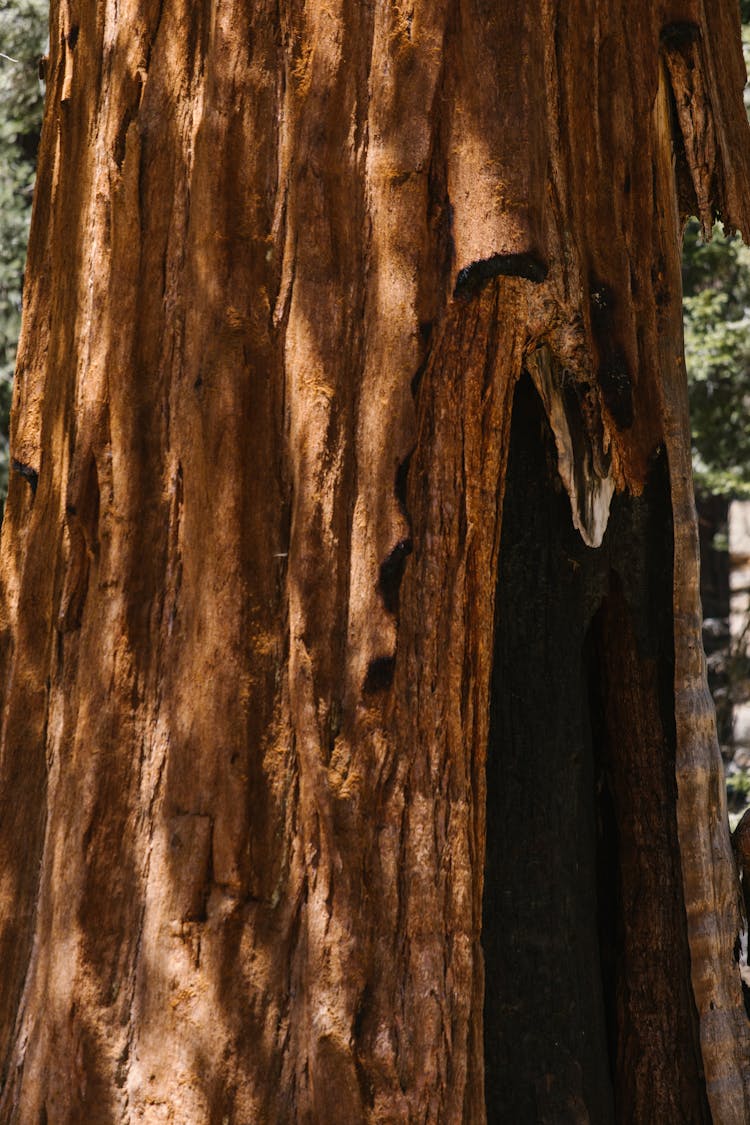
x=28, y=473
x=402, y=476
x=686, y=196
x=416, y=378
x=72, y=37
x=128, y=117
x=391, y=574
x=676, y=35
x=335, y=719
x=472, y=277
x=379, y=675
x=614, y=373
x=614, y=380
x=425, y=332
x=662, y=295
x=440, y=223
x=361, y=1029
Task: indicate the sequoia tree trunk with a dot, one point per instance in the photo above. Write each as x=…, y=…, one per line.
x=329, y=793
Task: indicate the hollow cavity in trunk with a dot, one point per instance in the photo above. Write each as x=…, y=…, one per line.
x=585, y=1015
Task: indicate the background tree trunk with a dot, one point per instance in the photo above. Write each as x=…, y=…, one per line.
x=291, y=266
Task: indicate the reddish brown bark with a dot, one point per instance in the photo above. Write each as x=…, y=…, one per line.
x=287, y=265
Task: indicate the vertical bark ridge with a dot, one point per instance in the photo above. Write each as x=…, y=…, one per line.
x=438, y=833
x=40, y=441
x=403, y=276
x=498, y=144
x=709, y=879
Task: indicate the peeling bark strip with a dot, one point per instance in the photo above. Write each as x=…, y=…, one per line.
x=288, y=265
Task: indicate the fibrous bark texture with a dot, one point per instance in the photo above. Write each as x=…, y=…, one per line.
x=262, y=623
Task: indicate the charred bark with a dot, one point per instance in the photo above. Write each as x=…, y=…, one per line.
x=288, y=264
x=588, y=1012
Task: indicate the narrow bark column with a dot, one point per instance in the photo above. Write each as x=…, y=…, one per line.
x=404, y=300
x=498, y=146
x=429, y=801
x=654, y=1011
x=54, y=400
x=709, y=876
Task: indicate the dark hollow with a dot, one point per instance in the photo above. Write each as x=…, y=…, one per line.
x=379, y=674
x=583, y=925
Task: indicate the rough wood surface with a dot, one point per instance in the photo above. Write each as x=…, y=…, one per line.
x=287, y=264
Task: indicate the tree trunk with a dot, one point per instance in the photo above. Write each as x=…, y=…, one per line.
x=316, y=293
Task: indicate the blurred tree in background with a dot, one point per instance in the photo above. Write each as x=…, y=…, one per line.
x=716, y=277
x=23, y=39
x=716, y=283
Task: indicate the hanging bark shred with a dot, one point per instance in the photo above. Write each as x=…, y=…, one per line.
x=243, y=811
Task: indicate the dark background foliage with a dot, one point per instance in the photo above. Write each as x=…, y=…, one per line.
x=23, y=38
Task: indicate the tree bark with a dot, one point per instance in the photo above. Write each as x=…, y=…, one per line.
x=313, y=291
